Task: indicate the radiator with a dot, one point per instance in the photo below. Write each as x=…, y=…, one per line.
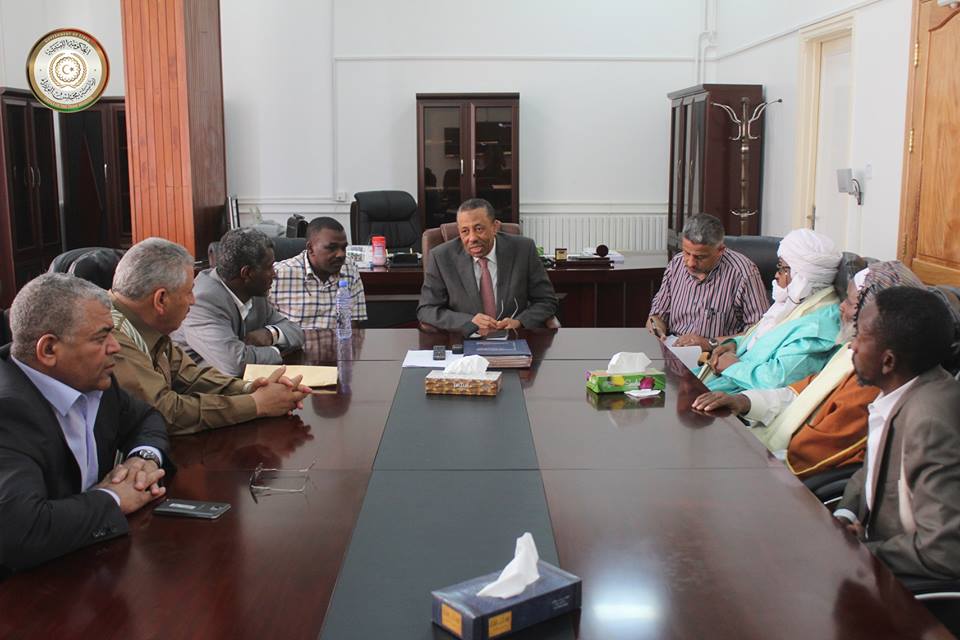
x=643, y=233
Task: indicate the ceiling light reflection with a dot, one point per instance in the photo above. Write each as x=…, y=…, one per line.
x=626, y=611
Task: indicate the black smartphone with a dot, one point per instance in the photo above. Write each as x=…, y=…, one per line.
x=192, y=509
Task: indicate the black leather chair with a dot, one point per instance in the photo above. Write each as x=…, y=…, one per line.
x=95, y=264
x=283, y=248
x=392, y=214
x=762, y=250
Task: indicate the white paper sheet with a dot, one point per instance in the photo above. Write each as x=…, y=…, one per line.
x=425, y=359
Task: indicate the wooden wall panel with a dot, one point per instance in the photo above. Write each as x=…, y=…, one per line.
x=175, y=119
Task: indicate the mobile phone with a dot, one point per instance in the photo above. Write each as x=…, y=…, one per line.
x=192, y=508
x=440, y=352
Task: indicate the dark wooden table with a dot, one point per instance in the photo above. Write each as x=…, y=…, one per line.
x=617, y=297
x=681, y=525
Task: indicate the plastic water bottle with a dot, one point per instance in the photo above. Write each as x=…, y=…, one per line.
x=344, y=311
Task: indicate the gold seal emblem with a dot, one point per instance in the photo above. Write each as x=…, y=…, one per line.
x=68, y=70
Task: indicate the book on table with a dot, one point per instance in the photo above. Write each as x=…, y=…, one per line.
x=501, y=354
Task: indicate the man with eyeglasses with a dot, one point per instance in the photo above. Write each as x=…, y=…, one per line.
x=485, y=280
x=708, y=291
x=819, y=422
x=796, y=335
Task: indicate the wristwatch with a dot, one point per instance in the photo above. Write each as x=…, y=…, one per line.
x=713, y=343
x=148, y=455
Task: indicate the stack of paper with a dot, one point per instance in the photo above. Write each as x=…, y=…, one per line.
x=312, y=376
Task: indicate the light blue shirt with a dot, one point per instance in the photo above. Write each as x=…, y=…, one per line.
x=80, y=437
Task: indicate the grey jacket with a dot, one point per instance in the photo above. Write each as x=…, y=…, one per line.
x=212, y=333
x=922, y=431
x=450, y=296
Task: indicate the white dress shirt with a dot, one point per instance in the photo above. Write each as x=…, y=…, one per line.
x=878, y=412
x=245, y=308
x=76, y=412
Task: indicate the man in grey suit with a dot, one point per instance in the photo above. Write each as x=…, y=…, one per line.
x=484, y=280
x=232, y=324
x=905, y=500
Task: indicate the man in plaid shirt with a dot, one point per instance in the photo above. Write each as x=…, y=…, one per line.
x=305, y=286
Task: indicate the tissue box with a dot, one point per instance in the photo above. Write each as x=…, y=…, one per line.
x=604, y=382
x=458, y=384
x=460, y=611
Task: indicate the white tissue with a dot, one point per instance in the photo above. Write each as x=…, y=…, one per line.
x=639, y=394
x=520, y=572
x=468, y=365
x=624, y=362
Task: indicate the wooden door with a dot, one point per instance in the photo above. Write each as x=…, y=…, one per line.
x=930, y=206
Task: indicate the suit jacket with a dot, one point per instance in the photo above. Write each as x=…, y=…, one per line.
x=213, y=331
x=450, y=296
x=44, y=512
x=922, y=433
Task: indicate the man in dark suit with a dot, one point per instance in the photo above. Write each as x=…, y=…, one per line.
x=232, y=323
x=484, y=280
x=64, y=420
x=905, y=500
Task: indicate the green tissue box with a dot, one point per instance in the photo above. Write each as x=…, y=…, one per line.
x=604, y=382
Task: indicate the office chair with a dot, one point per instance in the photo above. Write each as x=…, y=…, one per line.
x=448, y=231
x=828, y=485
x=283, y=248
x=762, y=250
x=392, y=214
x=95, y=264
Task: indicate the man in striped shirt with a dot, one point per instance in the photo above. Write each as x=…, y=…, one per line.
x=305, y=286
x=708, y=291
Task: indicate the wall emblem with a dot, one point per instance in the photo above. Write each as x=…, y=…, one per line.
x=68, y=70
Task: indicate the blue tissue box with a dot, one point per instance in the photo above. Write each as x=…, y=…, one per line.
x=459, y=610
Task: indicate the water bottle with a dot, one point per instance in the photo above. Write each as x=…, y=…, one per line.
x=344, y=311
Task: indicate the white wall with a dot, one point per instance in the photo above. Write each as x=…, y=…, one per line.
x=22, y=23
x=333, y=109
x=760, y=43
x=319, y=95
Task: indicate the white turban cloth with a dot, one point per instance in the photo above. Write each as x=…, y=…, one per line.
x=813, y=260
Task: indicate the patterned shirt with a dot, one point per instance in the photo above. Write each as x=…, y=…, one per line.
x=726, y=302
x=300, y=295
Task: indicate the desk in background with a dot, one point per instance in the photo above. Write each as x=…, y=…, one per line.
x=617, y=297
x=681, y=525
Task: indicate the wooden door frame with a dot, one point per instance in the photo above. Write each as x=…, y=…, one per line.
x=808, y=115
x=913, y=150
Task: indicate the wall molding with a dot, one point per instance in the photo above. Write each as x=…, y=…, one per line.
x=505, y=58
x=324, y=205
x=792, y=30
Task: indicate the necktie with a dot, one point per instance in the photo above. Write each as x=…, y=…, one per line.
x=486, y=289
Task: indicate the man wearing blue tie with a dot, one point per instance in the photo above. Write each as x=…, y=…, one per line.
x=65, y=420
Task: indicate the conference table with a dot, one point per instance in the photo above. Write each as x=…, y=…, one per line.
x=680, y=524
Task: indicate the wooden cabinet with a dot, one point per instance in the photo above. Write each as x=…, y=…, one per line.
x=96, y=181
x=705, y=171
x=467, y=147
x=29, y=202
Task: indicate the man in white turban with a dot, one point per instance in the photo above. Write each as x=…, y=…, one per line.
x=807, y=267
x=795, y=336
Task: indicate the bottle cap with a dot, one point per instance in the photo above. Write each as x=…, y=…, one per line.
x=344, y=283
